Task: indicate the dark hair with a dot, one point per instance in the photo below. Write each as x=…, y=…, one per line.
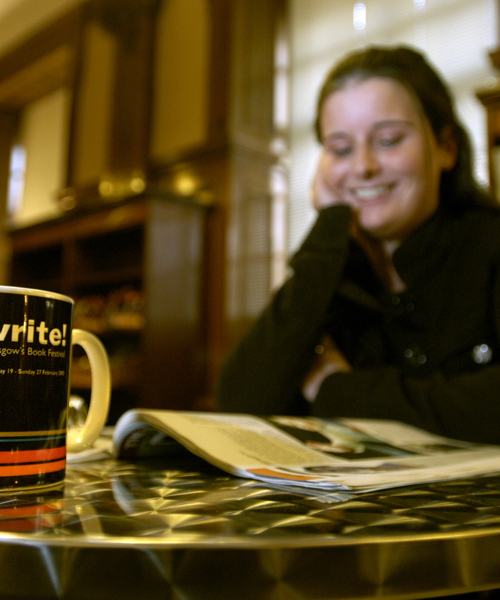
x=409, y=67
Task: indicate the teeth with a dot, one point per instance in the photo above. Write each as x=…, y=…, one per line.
x=368, y=193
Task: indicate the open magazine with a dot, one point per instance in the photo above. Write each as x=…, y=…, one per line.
x=355, y=455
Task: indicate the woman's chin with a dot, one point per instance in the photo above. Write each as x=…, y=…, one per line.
x=377, y=228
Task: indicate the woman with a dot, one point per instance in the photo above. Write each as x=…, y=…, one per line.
x=393, y=309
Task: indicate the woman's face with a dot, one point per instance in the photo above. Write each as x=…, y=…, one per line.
x=382, y=157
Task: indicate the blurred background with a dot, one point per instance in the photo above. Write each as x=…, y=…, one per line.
x=156, y=159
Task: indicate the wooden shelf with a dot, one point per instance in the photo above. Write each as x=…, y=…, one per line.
x=490, y=98
x=147, y=249
x=112, y=277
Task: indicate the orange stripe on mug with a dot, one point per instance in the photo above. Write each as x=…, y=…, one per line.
x=33, y=510
x=31, y=456
x=35, y=469
x=26, y=525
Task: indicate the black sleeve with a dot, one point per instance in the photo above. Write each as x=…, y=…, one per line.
x=264, y=374
x=465, y=406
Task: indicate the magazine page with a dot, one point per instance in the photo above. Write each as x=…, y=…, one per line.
x=372, y=454
x=238, y=444
x=348, y=454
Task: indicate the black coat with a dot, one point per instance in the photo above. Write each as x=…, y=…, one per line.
x=429, y=357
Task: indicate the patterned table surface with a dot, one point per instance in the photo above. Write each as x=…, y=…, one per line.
x=144, y=530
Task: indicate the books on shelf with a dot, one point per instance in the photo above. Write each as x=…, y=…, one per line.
x=352, y=455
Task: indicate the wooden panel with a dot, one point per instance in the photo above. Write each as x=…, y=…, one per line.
x=63, y=32
x=491, y=100
x=45, y=75
x=8, y=130
x=130, y=126
x=93, y=107
x=174, y=351
x=181, y=86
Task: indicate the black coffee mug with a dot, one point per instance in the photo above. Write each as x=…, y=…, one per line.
x=36, y=337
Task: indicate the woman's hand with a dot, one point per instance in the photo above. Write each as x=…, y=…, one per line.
x=329, y=360
x=379, y=254
x=322, y=193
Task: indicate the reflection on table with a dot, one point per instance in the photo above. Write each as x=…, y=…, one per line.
x=143, y=530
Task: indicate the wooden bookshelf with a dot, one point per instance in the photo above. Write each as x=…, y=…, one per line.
x=135, y=272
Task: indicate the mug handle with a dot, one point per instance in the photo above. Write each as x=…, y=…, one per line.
x=80, y=438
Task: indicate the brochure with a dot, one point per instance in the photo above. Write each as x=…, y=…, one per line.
x=355, y=455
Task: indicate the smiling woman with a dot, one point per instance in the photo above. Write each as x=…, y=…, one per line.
x=398, y=282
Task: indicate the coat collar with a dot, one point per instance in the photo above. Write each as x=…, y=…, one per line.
x=422, y=252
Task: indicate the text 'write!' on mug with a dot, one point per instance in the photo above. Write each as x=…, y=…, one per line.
x=36, y=337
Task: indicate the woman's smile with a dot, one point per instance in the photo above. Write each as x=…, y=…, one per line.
x=372, y=194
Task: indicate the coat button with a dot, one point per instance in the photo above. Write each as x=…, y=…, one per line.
x=402, y=305
x=482, y=354
x=415, y=357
